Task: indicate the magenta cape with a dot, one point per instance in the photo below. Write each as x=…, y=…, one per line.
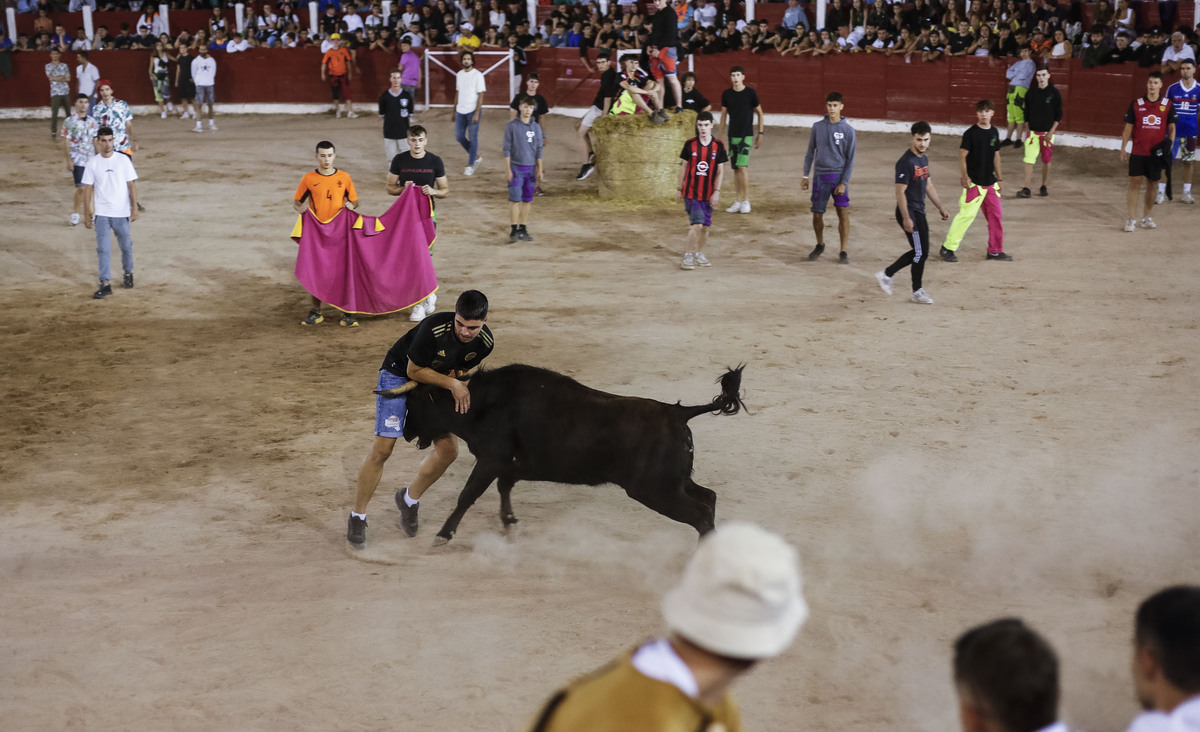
x=369, y=265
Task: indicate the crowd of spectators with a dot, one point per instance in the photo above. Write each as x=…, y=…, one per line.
x=928, y=30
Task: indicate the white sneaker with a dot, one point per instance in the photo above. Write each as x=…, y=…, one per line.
x=745, y=207
x=198, y=128
x=1160, y=199
x=920, y=297
x=885, y=282
x=469, y=170
x=183, y=115
x=1187, y=198
x=212, y=126
x=74, y=219
x=418, y=313
x=337, y=114
x=352, y=115
x=1130, y=224
x=735, y=207
x=1148, y=223
x=689, y=261
x=478, y=162
x=430, y=304
x=702, y=260
x=162, y=115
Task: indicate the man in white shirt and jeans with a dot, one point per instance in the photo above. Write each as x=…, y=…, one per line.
x=204, y=75
x=109, y=206
x=469, y=87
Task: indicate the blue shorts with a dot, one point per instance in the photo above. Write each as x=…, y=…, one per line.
x=699, y=212
x=524, y=180
x=205, y=94
x=77, y=171
x=390, y=411
x=822, y=188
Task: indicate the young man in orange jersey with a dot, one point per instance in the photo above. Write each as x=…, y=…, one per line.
x=325, y=191
x=337, y=69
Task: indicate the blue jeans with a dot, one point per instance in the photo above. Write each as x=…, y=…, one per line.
x=106, y=226
x=464, y=126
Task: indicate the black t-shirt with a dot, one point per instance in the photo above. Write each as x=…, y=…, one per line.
x=433, y=344
x=913, y=172
x=540, y=109
x=422, y=172
x=694, y=100
x=960, y=43
x=608, y=88
x=981, y=146
x=739, y=106
x=395, y=110
x=185, y=67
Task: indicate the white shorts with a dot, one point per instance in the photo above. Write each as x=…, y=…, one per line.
x=590, y=116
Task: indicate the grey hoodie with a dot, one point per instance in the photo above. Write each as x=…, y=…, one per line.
x=831, y=149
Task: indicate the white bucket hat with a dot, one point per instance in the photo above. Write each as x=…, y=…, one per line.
x=740, y=594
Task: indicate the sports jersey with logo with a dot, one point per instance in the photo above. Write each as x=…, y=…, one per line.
x=1184, y=102
x=700, y=170
x=326, y=194
x=912, y=171
x=337, y=58
x=1149, y=120
x=434, y=345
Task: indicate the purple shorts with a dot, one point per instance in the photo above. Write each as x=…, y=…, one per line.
x=822, y=189
x=699, y=212
x=524, y=180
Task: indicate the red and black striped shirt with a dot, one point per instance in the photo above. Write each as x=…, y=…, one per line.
x=701, y=163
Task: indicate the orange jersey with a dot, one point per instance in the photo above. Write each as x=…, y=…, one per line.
x=326, y=194
x=336, y=58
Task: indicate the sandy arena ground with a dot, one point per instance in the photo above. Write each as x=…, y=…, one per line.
x=179, y=459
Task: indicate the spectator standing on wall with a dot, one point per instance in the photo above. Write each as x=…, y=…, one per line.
x=664, y=34
x=1043, y=113
x=59, y=75
x=830, y=159
x=1020, y=76
x=1184, y=96
x=1149, y=122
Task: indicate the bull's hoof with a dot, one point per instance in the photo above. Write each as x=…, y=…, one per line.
x=442, y=538
x=509, y=519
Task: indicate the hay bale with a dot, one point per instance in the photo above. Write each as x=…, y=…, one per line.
x=637, y=159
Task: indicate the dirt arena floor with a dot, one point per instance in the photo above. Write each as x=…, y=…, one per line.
x=179, y=459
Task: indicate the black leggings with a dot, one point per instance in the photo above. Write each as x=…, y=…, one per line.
x=919, y=241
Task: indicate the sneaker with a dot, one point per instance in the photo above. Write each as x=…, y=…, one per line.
x=356, y=532
x=843, y=258
x=1148, y=223
x=885, y=282
x=1043, y=192
x=127, y=282
x=745, y=207
x=1187, y=198
x=430, y=304
x=352, y=115
x=417, y=314
x=999, y=257
x=162, y=115
x=816, y=253
x=185, y=115
x=74, y=219
x=314, y=317
x=1007, y=143
x=525, y=235
x=514, y=237
x=735, y=207
x=348, y=321
x=211, y=127
x=1024, y=193
x=538, y=191
x=585, y=170
x=198, y=128
x=1160, y=199
x=1130, y=224
x=920, y=297
x=478, y=162
x=948, y=256
x=104, y=291
x=469, y=171
x=702, y=260
x=659, y=117
x=689, y=261
x=337, y=114
x=408, y=514
x=592, y=158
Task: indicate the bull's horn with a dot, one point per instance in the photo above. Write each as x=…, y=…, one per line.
x=398, y=390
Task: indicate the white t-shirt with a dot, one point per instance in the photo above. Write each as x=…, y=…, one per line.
x=1185, y=52
x=204, y=71
x=353, y=22
x=110, y=177
x=469, y=85
x=706, y=15
x=235, y=46
x=87, y=77
x=1186, y=717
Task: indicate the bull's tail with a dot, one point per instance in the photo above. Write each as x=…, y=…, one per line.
x=729, y=401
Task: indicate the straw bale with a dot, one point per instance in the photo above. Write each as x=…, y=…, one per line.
x=637, y=159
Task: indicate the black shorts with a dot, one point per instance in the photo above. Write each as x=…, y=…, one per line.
x=1145, y=166
x=187, y=90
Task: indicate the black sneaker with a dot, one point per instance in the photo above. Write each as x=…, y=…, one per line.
x=356, y=532
x=1000, y=257
x=843, y=258
x=1007, y=143
x=948, y=256
x=816, y=253
x=408, y=514
x=585, y=170
x=525, y=235
x=104, y=291
x=348, y=321
x=592, y=157
x=514, y=237
x=1043, y=192
x=1025, y=193
x=127, y=283
x=314, y=317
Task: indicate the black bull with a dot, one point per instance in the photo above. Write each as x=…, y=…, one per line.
x=527, y=423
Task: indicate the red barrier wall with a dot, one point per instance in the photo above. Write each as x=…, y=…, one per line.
x=875, y=87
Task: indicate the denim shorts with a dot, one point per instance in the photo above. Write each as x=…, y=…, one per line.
x=699, y=212
x=390, y=411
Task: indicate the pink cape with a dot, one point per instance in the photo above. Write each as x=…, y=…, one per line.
x=369, y=265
